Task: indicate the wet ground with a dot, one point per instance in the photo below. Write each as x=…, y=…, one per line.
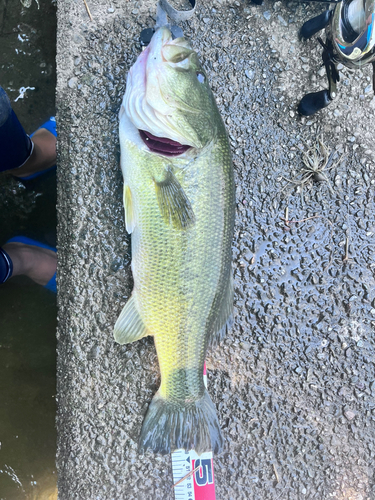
x=27, y=311
x=294, y=382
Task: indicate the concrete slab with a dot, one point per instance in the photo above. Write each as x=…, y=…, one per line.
x=294, y=382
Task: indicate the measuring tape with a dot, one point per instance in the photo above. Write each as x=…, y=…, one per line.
x=193, y=474
x=198, y=471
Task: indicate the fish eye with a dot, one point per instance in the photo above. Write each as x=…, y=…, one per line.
x=201, y=77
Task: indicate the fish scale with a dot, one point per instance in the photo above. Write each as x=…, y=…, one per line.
x=193, y=257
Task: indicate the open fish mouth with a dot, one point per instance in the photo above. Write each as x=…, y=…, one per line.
x=164, y=96
x=162, y=145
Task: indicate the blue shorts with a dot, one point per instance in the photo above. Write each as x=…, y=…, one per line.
x=15, y=145
x=6, y=266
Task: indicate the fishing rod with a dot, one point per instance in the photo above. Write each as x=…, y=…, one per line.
x=164, y=10
x=260, y=2
x=321, y=1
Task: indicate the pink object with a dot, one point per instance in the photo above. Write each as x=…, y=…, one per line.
x=204, y=486
x=197, y=486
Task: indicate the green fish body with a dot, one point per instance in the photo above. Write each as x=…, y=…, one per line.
x=179, y=208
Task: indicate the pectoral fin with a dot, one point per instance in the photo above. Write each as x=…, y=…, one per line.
x=129, y=327
x=129, y=212
x=174, y=205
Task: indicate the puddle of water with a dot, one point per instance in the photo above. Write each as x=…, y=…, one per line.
x=28, y=311
x=27, y=387
x=28, y=50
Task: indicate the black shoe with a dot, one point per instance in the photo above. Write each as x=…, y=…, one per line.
x=311, y=103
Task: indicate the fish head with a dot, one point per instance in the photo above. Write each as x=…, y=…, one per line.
x=168, y=95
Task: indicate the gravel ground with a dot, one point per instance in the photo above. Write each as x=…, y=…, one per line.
x=294, y=382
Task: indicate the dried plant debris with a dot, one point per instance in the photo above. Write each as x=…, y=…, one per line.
x=88, y=10
x=316, y=163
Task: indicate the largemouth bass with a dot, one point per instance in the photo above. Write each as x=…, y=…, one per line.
x=179, y=200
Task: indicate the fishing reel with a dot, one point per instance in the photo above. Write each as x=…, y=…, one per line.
x=350, y=40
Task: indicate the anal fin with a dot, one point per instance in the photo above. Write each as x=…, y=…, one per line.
x=129, y=326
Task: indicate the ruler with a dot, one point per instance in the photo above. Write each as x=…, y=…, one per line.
x=200, y=484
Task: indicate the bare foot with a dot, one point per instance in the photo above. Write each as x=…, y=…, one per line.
x=42, y=157
x=37, y=263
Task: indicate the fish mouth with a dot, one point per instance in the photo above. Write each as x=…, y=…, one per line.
x=153, y=110
x=162, y=145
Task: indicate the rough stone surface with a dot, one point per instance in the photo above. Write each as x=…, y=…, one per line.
x=294, y=382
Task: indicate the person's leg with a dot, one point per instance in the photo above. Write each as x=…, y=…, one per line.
x=24, y=157
x=18, y=153
x=15, y=145
x=37, y=263
x=6, y=266
x=43, y=155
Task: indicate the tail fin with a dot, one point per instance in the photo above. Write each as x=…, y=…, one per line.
x=169, y=426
